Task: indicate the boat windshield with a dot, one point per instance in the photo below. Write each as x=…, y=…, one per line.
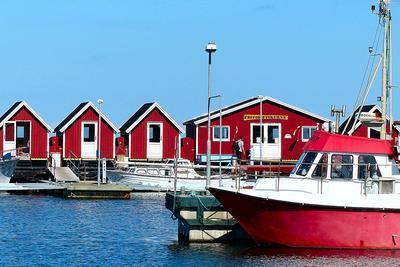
x=298, y=162
x=306, y=163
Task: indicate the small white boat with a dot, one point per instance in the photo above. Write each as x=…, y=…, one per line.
x=161, y=177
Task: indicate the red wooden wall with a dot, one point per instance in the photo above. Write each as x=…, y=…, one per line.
x=138, y=145
x=73, y=136
x=363, y=131
x=291, y=148
x=39, y=135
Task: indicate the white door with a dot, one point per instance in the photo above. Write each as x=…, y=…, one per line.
x=89, y=139
x=9, y=138
x=266, y=143
x=154, y=140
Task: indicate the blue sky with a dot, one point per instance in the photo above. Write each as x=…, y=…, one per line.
x=57, y=53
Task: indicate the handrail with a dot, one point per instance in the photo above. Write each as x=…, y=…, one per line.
x=69, y=160
x=52, y=163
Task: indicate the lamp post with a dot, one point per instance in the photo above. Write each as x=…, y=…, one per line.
x=220, y=136
x=99, y=102
x=211, y=47
x=261, y=128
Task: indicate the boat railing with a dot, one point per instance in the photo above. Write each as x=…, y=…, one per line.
x=368, y=174
x=193, y=166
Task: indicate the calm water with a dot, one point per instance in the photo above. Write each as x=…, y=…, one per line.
x=39, y=230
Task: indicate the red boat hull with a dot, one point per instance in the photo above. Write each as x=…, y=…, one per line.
x=297, y=225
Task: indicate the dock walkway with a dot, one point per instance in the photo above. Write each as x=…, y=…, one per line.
x=63, y=174
x=81, y=190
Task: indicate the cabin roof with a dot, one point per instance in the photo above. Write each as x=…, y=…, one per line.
x=14, y=109
x=142, y=112
x=77, y=112
x=322, y=141
x=247, y=103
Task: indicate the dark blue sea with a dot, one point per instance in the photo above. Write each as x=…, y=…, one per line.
x=51, y=231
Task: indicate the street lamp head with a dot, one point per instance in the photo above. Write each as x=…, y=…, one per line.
x=211, y=47
x=100, y=101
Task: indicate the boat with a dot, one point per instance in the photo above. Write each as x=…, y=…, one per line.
x=161, y=177
x=7, y=167
x=343, y=193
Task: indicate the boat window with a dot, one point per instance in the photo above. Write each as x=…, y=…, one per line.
x=306, y=164
x=153, y=172
x=165, y=172
x=140, y=171
x=342, y=166
x=365, y=161
x=322, y=167
x=298, y=163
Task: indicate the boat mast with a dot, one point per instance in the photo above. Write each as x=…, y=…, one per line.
x=390, y=81
x=384, y=15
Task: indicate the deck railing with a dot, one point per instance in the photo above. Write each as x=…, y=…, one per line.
x=367, y=174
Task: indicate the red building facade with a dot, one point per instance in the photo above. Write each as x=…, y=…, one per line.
x=279, y=134
x=22, y=130
x=369, y=130
x=151, y=134
x=80, y=135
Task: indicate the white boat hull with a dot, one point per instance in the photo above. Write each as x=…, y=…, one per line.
x=163, y=183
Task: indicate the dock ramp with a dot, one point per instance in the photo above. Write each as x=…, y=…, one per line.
x=64, y=174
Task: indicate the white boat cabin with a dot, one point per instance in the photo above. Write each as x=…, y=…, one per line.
x=342, y=166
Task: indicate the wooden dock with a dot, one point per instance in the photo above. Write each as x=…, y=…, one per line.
x=201, y=218
x=30, y=188
x=80, y=190
x=90, y=190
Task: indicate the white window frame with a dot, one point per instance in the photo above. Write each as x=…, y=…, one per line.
x=372, y=128
x=302, y=132
x=222, y=139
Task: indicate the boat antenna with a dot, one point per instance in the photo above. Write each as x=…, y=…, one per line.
x=338, y=113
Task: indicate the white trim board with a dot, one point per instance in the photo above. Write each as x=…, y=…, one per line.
x=254, y=102
x=78, y=114
x=147, y=112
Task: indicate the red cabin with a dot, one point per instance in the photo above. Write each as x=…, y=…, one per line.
x=80, y=134
x=367, y=129
x=284, y=130
x=151, y=134
x=22, y=129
